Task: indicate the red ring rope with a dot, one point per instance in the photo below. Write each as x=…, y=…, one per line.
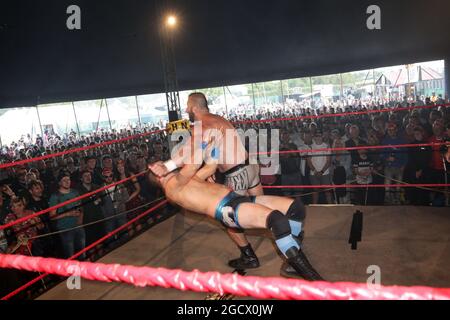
x=257, y=287
x=92, y=245
x=387, y=146
x=409, y=185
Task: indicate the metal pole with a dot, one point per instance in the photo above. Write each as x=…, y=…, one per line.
x=254, y=101
x=447, y=197
x=374, y=85
x=342, y=88
x=137, y=108
x=67, y=123
x=40, y=124
x=407, y=86
x=107, y=112
x=76, y=120
x=312, y=97
x=225, y=97
x=446, y=77
x=99, y=113
x=170, y=73
x=264, y=92
x=282, y=94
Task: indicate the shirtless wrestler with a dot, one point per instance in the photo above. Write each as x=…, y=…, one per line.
x=240, y=176
x=282, y=216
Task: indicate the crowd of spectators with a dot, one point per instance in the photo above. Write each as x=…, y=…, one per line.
x=411, y=165
x=26, y=189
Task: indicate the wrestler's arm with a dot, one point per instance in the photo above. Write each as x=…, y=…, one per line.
x=189, y=170
x=206, y=171
x=186, y=174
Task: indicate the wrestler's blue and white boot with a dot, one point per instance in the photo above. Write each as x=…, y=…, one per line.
x=296, y=215
x=279, y=224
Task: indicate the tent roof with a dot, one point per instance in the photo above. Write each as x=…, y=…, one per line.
x=221, y=42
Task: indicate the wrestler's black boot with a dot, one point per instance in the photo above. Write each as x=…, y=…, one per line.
x=286, y=269
x=247, y=260
x=297, y=259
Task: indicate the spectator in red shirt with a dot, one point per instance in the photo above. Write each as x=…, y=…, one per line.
x=437, y=163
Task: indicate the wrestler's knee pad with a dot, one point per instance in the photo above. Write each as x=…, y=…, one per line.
x=278, y=223
x=296, y=215
x=297, y=210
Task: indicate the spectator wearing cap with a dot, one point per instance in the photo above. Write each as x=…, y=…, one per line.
x=319, y=164
x=394, y=160
x=68, y=217
x=313, y=128
x=114, y=203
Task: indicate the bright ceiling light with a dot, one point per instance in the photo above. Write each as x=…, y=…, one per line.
x=171, y=21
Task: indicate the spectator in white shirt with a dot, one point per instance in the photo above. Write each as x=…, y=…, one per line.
x=319, y=164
